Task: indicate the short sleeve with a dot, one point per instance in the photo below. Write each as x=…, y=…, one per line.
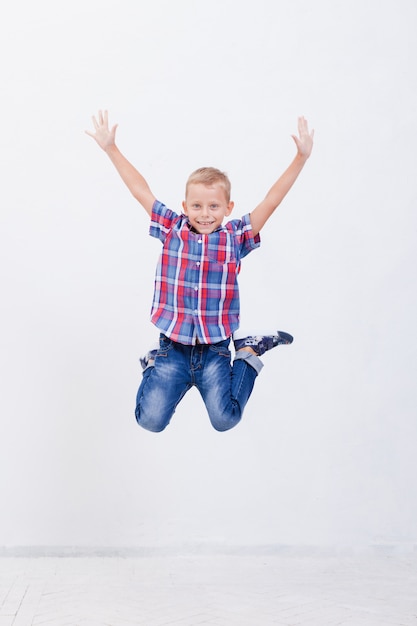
x=162, y=221
x=244, y=237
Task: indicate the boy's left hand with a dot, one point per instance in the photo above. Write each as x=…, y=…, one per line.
x=304, y=141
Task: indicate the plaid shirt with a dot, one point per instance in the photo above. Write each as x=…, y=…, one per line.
x=196, y=297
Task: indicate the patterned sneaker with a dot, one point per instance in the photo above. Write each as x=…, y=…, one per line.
x=149, y=356
x=261, y=343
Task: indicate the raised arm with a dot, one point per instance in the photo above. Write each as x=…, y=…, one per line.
x=106, y=139
x=279, y=190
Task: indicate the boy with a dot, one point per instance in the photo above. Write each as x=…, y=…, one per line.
x=196, y=297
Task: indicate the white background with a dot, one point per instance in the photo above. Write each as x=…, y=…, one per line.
x=325, y=454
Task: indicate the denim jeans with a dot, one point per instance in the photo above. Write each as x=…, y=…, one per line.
x=225, y=388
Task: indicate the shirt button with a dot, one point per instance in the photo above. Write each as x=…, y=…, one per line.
x=198, y=263
x=200, y=241
x=195, y=288
x=195, y=311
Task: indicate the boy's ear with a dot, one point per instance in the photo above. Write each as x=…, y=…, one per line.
x=229, y=208
x=184, y=207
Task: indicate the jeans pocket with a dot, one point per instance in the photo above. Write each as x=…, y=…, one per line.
x=165, y=345
x=221, y=349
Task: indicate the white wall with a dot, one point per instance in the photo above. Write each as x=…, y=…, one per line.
x=325, y=454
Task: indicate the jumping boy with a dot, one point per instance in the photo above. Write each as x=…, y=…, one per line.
x=196, y=297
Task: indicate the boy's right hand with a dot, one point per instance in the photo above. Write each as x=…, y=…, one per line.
x=104, y=136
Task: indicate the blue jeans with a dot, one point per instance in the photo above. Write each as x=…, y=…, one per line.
x=225, y=388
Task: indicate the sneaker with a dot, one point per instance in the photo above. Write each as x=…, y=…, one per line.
x=261, y=343
x=149, y=356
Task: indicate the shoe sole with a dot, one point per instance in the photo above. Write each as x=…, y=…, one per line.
x=284, y=338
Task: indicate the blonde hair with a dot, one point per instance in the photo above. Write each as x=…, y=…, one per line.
x=209, y=176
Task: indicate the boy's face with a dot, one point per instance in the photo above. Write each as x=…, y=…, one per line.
x=206, y=207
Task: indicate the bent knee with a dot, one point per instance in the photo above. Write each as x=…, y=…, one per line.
x=222, y=423
x=154, y=422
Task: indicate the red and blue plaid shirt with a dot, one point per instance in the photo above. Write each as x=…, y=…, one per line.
x=196, y=297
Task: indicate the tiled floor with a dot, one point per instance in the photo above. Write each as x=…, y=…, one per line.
x=286, y=589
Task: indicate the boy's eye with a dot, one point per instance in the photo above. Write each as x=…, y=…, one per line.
x=214, y=206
